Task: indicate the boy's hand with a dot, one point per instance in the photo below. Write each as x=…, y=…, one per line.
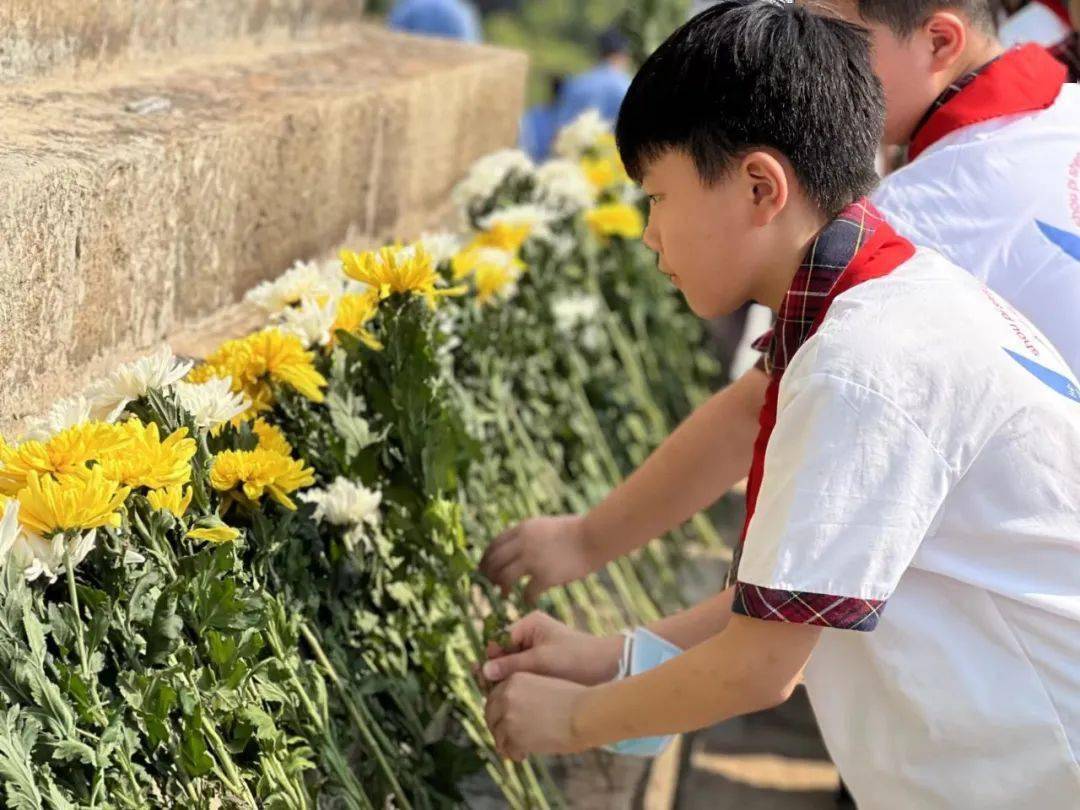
x=532, y=714
x=542, y=645
x=550, y=550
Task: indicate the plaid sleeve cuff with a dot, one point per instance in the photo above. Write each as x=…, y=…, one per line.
x=803, y=607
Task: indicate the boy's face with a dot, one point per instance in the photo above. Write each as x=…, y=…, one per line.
x=704, y=236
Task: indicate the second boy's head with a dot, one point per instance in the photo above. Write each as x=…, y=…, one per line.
x=749, y=128
x=920, y=47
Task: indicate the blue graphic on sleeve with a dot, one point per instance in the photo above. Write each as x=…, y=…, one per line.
x=1069, y=242
x=1059, y=382
x=647, y=651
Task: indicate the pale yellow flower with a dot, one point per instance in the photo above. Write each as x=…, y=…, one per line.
x=616, y=219
x=354, y=312
x=270, y=437
x=67, y=453
x=215, y=534
x=257, y=360
x=148, y=460
x=258, y=472
x=400, y=270
x=66, y=503
x=174, y=499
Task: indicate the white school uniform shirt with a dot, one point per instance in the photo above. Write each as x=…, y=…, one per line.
x=926, y=461
x=1001, y=199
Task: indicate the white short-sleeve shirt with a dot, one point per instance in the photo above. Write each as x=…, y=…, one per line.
x=924, y=474
x=1001, y=199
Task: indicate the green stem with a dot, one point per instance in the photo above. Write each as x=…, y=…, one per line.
x=362, y=720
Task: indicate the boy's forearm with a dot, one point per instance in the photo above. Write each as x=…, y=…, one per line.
x=706, y=455
x=751, y=666
x=697, y=624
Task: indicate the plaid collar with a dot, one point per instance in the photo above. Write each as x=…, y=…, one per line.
x=811, y=289
x=1068, y=52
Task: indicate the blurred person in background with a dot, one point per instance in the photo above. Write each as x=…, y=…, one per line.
x=1044, y=22
x=602, y=88
x=538, y=125
x=451, y=19
x=1068, y=50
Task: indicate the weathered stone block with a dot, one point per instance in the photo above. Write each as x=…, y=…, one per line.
x=120, y=228
x=39, y=36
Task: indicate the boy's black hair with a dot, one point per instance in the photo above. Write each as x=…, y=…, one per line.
x=746, y=74
x=903, y=17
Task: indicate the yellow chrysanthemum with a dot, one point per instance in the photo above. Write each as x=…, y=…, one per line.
x=215, y=534
x=491, y=280
x=354, y=312
x=256, y=360
x=148, y=461
x=258, y=472
x=472, y=259
x=270, y=437
x=605, y=171
x=508, y=236
x=70, y=502
x=616, y=219
x=396, y=269
x=67, y=453
x=175, y=499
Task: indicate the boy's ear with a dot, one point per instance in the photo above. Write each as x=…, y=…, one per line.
x=947, y=35
x=767, y=183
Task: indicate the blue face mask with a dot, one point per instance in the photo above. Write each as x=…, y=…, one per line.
x=643, y=651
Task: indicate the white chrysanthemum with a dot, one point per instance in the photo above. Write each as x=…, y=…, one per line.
x=109, y=396
x=63, y=414
x=303, y=280
x=211, y=403
x=580, y=135
x=572, y=312
x=442, y=246
x=488, y=173
x=348, y=504
x=537, y=217
x=312, y=321
x=563, y=185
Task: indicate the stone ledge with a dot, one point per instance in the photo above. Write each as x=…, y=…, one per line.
x=122, y=228
x=41, y=36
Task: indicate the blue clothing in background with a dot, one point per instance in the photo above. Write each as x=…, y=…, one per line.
x=538, y=130
x=453, y=19
x=602, y=88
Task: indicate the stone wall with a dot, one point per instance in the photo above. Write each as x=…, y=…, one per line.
x=145, y=194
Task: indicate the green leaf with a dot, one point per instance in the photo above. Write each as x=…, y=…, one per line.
x=165, y=628
x=193, y=751
x=18, y=735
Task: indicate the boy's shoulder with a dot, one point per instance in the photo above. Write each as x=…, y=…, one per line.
x=937, y=343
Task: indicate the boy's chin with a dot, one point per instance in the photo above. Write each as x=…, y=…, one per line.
x=707, y=310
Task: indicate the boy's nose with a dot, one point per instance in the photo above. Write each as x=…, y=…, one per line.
x=651, y=237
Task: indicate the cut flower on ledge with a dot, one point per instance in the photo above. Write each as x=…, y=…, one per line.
x=255, y=361
x=71, y=503
x=260, y=472
x=398, y=270
x=156, y=372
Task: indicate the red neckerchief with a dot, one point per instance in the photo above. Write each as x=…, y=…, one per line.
x=857, y=246
x=1023, y=80
x=1059, y=8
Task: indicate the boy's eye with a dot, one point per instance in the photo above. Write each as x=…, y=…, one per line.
x=654, y=199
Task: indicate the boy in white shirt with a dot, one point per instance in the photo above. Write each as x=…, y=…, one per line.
x=904, y=455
